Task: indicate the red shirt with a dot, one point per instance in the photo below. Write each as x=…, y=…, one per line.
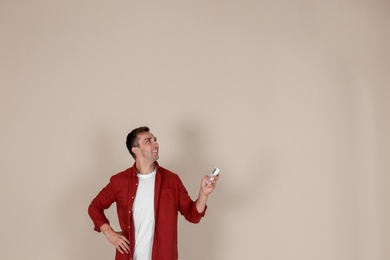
x=170, y=197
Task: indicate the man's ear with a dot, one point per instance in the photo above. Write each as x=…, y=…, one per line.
x=134, y=150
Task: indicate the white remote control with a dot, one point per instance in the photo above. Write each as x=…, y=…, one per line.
x=211, y=175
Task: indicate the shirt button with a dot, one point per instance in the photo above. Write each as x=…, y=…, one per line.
x=132, y=197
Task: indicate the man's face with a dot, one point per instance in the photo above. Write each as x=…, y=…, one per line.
x=147, y=147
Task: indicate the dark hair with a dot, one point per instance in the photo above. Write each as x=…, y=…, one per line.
x=132, y=138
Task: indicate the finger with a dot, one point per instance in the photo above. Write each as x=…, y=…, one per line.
x=124, y=239
x=124, y=244
x=210, y=187
x=123, y=248
x=120, y=249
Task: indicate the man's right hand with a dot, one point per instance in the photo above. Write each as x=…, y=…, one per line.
x=116, y=238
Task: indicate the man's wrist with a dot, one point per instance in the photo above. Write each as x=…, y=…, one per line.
x=105, y=228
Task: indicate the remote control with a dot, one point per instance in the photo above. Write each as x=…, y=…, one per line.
x=211, y=175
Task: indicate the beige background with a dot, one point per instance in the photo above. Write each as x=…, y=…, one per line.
x=289, y=98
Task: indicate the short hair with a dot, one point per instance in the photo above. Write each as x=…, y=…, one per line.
x=132, y=138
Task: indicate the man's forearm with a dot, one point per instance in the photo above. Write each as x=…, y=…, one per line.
x=201, y=202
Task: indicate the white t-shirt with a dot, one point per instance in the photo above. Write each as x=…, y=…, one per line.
x=143, y=214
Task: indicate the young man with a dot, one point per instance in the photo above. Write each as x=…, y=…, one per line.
x=148, y=198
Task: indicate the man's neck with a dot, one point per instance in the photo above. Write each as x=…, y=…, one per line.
x=145, y=168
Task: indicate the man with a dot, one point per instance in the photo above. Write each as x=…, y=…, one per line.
x=148, y=198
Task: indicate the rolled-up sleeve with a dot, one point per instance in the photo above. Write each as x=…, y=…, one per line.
x=100, y=203
x=187, y=206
